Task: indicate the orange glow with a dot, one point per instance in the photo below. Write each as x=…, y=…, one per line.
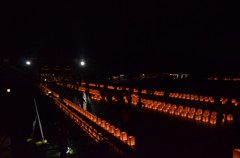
x=123, y=136
x=117, y=132
x=131, y=140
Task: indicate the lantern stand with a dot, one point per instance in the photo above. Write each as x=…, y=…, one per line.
x=37, y=118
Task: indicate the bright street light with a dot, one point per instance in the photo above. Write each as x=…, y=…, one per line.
x=82, y=63
x=28, y=62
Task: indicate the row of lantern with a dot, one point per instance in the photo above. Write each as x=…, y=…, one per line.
x=157, y=93
x=235, y=102
x=81, y=123
x=173, y=95
x=225, y=79
x=110, y=87
x=93, y=85
x=42, y=87
x=191, y=97
x=135, y=99
x=186, y=112
x=155, y=105
x=130, y=140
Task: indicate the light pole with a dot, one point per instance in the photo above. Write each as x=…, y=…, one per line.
x=28, y=63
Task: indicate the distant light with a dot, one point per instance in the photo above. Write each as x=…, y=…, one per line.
x=82, y=63
x=8, y=90
x=49, y=92
x=121, y=75
x=143, y=74
x=28, y=62
x=45, y=79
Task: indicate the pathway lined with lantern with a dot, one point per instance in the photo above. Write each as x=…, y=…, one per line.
x=160, y=132
x=88, y=122
x=199, y=115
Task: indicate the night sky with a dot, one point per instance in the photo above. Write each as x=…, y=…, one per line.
x=119, y=36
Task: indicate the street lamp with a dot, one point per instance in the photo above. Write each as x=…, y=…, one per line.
x=28, y=62
x=82, y=63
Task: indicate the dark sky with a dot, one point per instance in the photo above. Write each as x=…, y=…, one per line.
x=119, y=36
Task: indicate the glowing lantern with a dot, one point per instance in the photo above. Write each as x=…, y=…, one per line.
x=174, y=106
x=198, y=117
x=236, y=153
x=190, y=115
x=112, y=129
x=199, y=111
x=90, y=129
x=205, y=119
x=233, y=100
x=123, y=136
x=117, y=132
x=131, y=140
x=236, y=103
x=103, y=124
x=213, y=121
x=107, y=126
x=184, y=114
x=206, y=112
x=171, y=111
x=187, y=108
x=155, y=107
x=165, y=109
x=214, y=114
x=99, y=121
x=160, y=108
x=229, y=117
x=193, y=110
x=180, y=107
x=177, y=112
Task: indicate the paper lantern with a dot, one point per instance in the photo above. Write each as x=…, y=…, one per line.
x=187, y=108
x=107, y=126
x=205, y=119
x=117, y=132
x=190, y=115
x=229, y=117
x=112, y=129
x=198, y=117
x=177, y=112
x=155, y=107
x=174, y=106
x=236, y=153
x=103, y=124
x=213, y=121
x=171, y=111
x=131, y=140
x=236, y=103
x=123, y=136
x=233, y=100
x=193, y=110
x=165, y=109
x=180, y=107
x=99, y=121
x=206, y=112
x=184, y=114
x=214, y=114
x=199, y=111
x=160, y=108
